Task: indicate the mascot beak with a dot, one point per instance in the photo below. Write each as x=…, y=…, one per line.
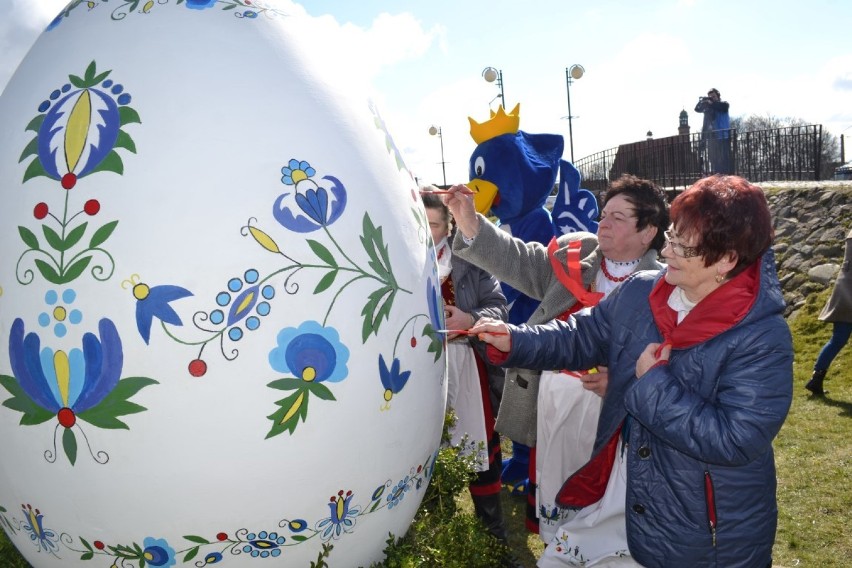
x=485, y=195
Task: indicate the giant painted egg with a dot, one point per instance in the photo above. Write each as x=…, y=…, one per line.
x=218, y=298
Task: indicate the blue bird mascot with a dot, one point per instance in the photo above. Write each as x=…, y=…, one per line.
x=512, y=173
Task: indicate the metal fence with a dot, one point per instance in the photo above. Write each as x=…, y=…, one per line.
x=790, y=153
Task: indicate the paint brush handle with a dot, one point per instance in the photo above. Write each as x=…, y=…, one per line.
x=468, y=332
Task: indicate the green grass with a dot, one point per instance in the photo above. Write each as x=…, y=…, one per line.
x=813, y=454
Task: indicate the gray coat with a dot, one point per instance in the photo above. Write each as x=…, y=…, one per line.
x=839, y=306
x=526, y=267
x=478, y=293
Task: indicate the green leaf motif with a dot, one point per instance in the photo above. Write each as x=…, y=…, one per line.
x=125, y=141
x=321, y=391
x=48, y=272
x=28, y=237
x=111, y=163
x=69, y=444
x=292, y=409
x=286, y=384
x=35, y=169
x=326, y=281
x=102, y=234
x=116, y=403
x=32, y=413
x=436, y=341
x=377, y=251
x=35, y=124
x=74, y=235
x=30, y=150
x=322, y=252
x=373, y=312
x=128, y=115
x=53, y=238
x=193, y=552
x=196, y=539
x=75, y=270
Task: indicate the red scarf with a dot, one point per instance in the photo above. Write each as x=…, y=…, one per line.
x=720, y=310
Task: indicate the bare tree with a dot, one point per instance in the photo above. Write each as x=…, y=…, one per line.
x=829, y=147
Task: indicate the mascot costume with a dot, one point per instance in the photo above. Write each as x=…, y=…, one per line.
x=512, y=174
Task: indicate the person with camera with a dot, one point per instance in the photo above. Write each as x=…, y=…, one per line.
x=716, y=131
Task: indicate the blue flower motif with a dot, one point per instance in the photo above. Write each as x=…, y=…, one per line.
x=296, y=171
x=435, y=303
x=317, y=208
x=34, y=524
x=154, y=303
x=200, y=4
x=77, y=380
x=342, y=518
x=264, y=544
x=212, y=558
x=392, y=379
x=100, y=138
x=248, y=302
x=398, y=492
x=157, y=552
x=310, y=352
x=60, y=312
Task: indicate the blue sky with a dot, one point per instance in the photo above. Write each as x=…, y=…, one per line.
x=644, y=61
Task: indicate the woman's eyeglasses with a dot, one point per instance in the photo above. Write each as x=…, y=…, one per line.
x=679, y=249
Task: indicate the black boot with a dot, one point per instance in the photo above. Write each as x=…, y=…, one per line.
x=490, y=510
x=815, y=384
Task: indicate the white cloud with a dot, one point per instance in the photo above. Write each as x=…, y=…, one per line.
x=21, y=24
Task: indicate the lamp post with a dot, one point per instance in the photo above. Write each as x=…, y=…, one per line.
x=572, y=73
x=433, y=130
x=491, y=74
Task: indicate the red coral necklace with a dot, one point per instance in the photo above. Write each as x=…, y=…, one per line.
x=610, y=277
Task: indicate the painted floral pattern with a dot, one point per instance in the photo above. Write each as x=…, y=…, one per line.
x=342, y=513
x=314, y=355
x=242, y=9
x=82, y=384
x=78, y=132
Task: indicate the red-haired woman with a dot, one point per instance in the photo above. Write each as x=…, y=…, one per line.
x=700, y=381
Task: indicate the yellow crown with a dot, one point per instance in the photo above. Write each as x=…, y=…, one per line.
x=499, y=123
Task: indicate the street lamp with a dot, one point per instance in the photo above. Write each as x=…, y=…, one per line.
x=491, y=74
x=433, y=130
x=572, y=73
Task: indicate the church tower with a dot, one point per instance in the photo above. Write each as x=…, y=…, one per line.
x=683, y=127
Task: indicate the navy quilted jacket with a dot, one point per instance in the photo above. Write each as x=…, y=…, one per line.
x=699, y=446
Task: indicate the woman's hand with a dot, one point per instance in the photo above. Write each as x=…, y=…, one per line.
x=596, y=382
x=460, y=202
x=649, y=358
x=456, y=319
x=494, y=332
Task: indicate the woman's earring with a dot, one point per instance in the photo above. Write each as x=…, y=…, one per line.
x=719, y=278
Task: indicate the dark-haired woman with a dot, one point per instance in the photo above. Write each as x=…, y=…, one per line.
x=700, y=382
x=474, y=388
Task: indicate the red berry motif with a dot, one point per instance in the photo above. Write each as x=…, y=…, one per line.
x=413, y=341
x=69, y=180
x=40, y=211
x=222, y=536
x=99, y=545
x=66, y=417
x=197, y=368
x=92, y=207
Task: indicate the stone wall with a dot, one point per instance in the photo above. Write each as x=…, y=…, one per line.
x=811, y=222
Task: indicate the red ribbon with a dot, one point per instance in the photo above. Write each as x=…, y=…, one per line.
x=572, y=278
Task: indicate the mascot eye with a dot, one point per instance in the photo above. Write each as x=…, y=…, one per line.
x=479, y=166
